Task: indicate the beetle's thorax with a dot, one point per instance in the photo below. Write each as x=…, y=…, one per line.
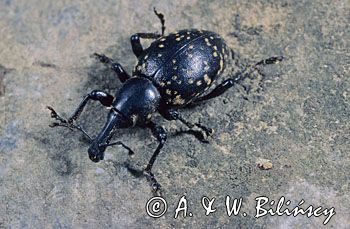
x=137, y=100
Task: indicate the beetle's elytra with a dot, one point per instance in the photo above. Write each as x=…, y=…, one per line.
x=183, y=65
x=176, y=70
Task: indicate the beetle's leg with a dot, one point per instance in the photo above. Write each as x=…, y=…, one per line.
x=135, y=39
x=161, y=18
x=104, y=98
x=136, y=43
x=175, y=115
x=159, y=133
x=64, y=122
x=115, y=66
x=224, y=86
x=161, y=136
x=220, y=89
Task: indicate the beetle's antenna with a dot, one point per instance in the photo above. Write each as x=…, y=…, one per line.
x=161, y=18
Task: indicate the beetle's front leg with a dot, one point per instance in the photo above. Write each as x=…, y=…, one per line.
x=104, y=98
x=161, y=136
x=175, y=115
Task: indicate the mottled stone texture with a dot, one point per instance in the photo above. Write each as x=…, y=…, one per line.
x=296, y=116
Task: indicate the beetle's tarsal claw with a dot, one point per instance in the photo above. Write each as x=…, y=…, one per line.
x=208, y=131
x=56, y=116
x=54, y=124
x=156, y=187
x=102, y=58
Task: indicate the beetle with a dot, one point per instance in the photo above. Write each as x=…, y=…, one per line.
x=177, y=70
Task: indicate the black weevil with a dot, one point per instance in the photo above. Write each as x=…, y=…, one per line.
x=177, y=70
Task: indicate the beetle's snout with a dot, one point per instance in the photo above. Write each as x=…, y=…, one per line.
x=96, y=153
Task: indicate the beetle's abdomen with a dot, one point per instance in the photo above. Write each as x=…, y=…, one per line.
x=183, y=65
x=162, y=49
x=191, y=72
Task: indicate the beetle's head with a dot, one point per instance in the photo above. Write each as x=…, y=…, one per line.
x=96, y=152
x=135, y=103
x=98, y=145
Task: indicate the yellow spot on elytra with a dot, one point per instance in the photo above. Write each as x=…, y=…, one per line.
x=177, y=34
x=168, y=82
x=190, y=47
x=146, y=57
x=190, y=81
x=188, y=38
x=175, y=92
x=211, y=37
x=221, y=64
x=207, y=79
x=178, y=100
x=215, y=48
x=168, y=92
x=215, y=54
x=174, y=61
x=178, y=39
x=205, y=62
x=223, y=50
x=179, y=82
x=162, y=84
x=161, y=46
x=174, y=77
x=188, y=32
x=206, y=40
x=163, y=39
x=159, y=55
x=199, y=83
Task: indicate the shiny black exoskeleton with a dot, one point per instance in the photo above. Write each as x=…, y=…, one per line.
x=175, y=71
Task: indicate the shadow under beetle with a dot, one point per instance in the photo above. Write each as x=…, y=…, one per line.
x=177, y=70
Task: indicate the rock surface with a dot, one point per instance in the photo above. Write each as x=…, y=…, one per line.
x=296, y=116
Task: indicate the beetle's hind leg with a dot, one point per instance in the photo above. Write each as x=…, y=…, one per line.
x=135, y=39
x=115, y=66
x=224, y=86
x=136, y=42
x=161, y=18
